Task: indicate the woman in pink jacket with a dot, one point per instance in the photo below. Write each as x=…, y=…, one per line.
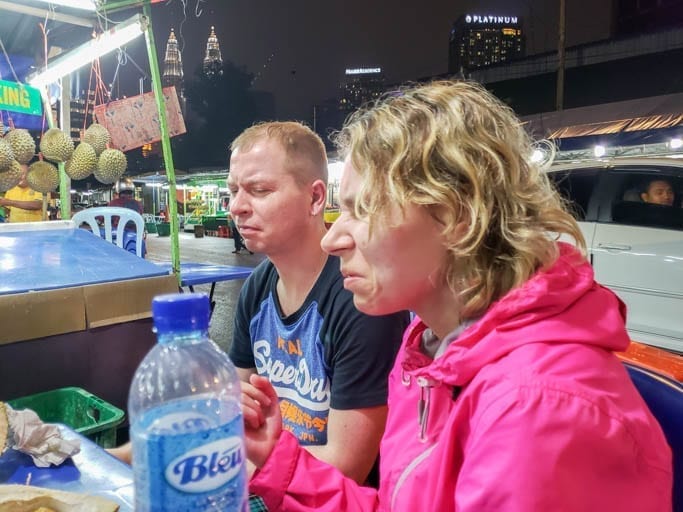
x=506, y=394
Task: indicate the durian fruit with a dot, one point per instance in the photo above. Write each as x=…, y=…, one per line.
x=56, y=146
x=98, y=137
x=23, y=145
x=111, y=166
x=6, y=155
x=43, y=177
x=82, y=163
x=11, y=177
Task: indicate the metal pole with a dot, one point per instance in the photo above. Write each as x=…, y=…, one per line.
x=559, y=95
x=51, y=124
x=65, y=125
x=122, y=4
x=165, y=138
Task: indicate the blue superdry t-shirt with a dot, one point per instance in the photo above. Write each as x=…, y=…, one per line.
x=326, y=354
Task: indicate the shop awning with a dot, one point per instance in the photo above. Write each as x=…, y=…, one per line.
x=655, y=112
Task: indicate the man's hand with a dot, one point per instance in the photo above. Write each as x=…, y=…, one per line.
x=253, y=402
x=262, y=419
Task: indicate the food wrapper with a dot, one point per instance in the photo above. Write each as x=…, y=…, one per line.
x=26, y=432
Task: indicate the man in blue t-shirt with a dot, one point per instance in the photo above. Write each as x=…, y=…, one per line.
x=295, y=323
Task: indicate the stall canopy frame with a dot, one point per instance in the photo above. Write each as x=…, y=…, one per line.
x=108, y=7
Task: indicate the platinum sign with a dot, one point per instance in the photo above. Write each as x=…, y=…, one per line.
x=476, y=18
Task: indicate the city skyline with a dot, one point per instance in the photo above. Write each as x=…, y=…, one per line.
x=299, y=52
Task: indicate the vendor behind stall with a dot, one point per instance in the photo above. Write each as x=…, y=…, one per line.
x=22, y=203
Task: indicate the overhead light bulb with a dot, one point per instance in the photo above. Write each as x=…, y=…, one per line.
x=599, y=151
x=537, y=156
x=104, y=43
x=675, y=143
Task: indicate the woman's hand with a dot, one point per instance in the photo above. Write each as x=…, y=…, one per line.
x=262, y=419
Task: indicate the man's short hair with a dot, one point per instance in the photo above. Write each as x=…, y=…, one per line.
x=306, y=155
x=646, y=184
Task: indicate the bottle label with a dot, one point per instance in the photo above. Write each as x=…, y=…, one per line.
x=208, y=467
x=189, y=455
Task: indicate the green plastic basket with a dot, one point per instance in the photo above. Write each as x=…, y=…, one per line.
x=163, y=228
x=86, y=413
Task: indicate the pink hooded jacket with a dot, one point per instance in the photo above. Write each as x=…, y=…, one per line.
x=527, y=410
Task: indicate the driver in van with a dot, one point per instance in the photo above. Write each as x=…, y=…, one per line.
x=657, y=191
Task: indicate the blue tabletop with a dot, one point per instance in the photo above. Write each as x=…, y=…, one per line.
x=201, y=273
x=92, y=471
x=43, y=257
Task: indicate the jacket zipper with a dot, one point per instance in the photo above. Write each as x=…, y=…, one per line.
x=406, y=472
x=423, y=403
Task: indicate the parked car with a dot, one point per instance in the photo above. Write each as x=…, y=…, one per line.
x=636, y=248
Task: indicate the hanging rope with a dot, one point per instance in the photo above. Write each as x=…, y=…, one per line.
x=197, y=10
x=87, y=96
x=43, y=28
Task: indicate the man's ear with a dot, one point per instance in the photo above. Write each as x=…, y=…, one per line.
x=643, y=197
x=318, y=197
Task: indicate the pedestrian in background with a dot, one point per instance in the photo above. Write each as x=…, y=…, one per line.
x=236, y=237
x=506, y=394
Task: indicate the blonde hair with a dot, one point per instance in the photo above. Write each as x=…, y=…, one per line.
x=459, y=151
x=306, y=157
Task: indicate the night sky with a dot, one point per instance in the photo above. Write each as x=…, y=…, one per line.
x=299, y=48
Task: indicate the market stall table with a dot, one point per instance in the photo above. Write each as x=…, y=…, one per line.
x=46, y=256
x=92, y=471
x=192, y=274
x=75, y=310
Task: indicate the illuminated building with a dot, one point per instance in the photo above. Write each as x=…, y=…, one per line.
x=360, y=86
x=80, y=109
x=213, y=62
x=173, y=66
x=478, y=41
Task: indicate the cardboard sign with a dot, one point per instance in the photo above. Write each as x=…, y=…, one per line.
x=134, y=122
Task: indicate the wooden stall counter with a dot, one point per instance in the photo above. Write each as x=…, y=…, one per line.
x=75, y=310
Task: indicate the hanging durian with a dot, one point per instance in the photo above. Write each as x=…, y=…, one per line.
x=23, y=145
x=6, y=155
x=111, y=166
x=98, y=137
x=56, y=146
x=43, y=177
x=11, y=177
x=82, y=163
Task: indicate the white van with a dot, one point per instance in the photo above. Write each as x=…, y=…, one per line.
x=636, y=248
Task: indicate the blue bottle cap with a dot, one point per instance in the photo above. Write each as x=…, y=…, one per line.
x=181, y=312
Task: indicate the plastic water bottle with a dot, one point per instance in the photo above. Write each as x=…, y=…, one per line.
x=186, y=422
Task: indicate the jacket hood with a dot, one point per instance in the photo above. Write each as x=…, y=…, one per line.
x=561, y=304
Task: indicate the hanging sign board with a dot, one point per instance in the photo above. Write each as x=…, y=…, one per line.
x=20, y=98
x=134, y=122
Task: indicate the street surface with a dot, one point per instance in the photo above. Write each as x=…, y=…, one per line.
x=215, y=250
